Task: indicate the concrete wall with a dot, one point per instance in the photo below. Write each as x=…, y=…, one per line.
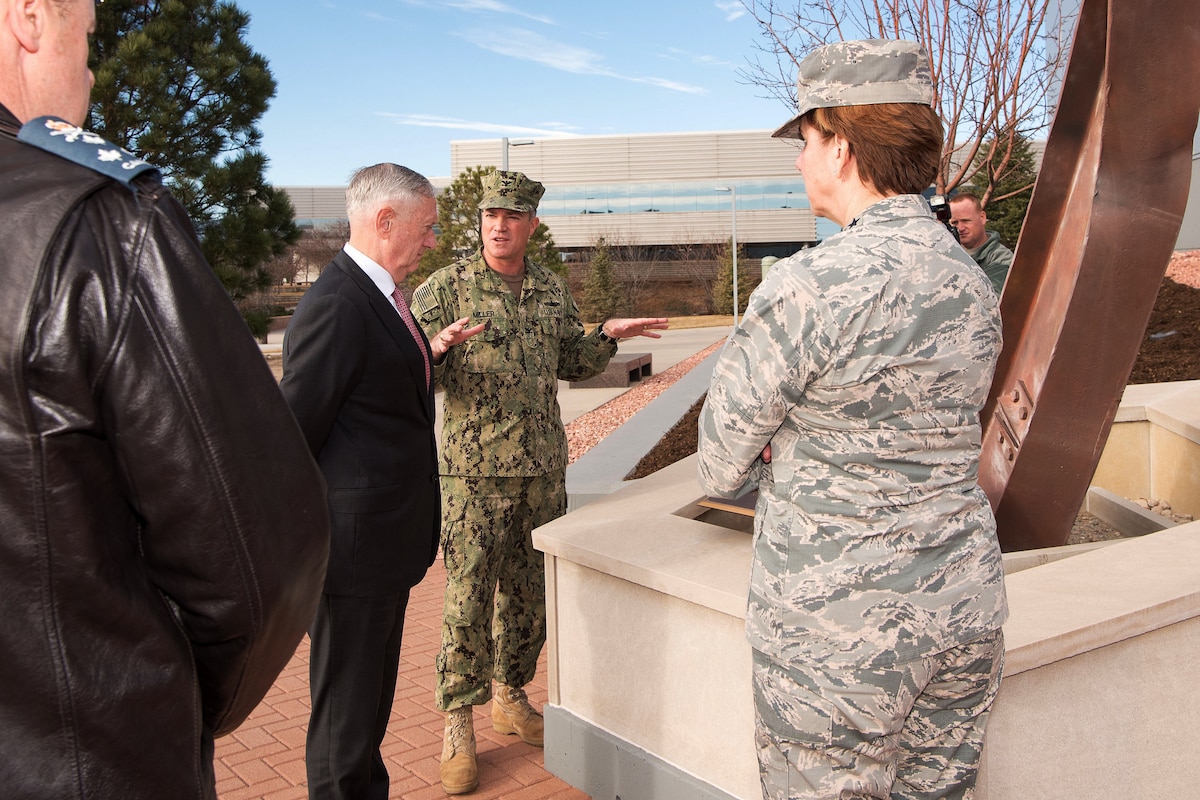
x=1097, y=698
x=1152, y=450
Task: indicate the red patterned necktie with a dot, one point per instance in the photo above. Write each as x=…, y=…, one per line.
x=406, y=315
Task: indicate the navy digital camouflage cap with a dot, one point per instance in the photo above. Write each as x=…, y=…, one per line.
x=511, y=190
x=859, y=74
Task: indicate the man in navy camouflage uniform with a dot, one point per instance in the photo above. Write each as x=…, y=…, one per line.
x=503, y=461
x=850, y=396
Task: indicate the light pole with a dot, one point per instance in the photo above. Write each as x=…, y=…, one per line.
x=733, y=205
x=506, y=143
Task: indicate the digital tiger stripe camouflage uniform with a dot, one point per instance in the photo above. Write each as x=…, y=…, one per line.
x=863, y=363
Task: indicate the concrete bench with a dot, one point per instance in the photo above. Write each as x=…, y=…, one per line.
x=623, y=369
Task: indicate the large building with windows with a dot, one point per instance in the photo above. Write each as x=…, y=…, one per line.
x=645, y=190
x=662, y=190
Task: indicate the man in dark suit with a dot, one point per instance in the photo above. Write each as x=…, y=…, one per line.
x=357, y=373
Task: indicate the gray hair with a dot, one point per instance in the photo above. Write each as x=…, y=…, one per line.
x=373, y=186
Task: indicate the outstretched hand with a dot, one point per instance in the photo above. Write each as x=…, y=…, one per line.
x=456, y=332
x=644, y=326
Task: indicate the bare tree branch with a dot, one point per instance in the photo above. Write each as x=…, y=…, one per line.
x=994, y=63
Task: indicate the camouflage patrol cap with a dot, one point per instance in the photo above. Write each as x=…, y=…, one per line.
x=511, y=190
x=859, y=74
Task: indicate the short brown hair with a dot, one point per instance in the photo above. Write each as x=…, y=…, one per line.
x=896, y=145
x=967, y=197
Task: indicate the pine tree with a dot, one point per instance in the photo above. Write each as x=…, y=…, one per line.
x=602, y=295
x=458, y=229
x=177, y=84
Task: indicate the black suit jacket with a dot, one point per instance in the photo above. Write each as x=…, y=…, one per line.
x=355, y=379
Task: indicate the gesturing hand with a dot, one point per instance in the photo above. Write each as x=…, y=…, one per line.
x=627, y=328
x=456, y=332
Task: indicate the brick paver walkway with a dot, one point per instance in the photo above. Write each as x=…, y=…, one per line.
x=264, y=758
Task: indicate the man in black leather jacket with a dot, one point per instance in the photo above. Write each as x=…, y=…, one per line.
x=163, y=530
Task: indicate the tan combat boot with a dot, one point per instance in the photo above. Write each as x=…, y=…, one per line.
x=459, y=771
x=511, y=713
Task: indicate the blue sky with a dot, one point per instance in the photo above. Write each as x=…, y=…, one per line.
x=396, y=80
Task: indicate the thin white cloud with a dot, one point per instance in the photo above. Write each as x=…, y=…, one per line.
x=663, y=83
x=529, y=46
x=674, y=53
x=732, y=10
x=434, y=121
x=495, y=7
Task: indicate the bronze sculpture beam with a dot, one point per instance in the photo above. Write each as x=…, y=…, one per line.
x=1101, y=225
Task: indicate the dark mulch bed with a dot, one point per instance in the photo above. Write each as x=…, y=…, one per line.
x=1171, y=347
